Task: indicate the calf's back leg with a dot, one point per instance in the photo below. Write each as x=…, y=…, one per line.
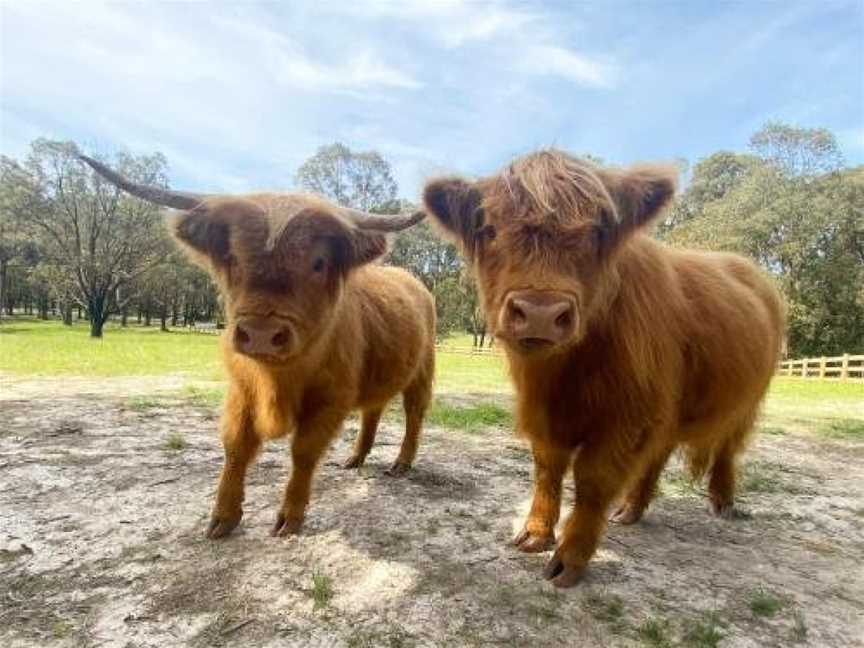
x=721, y=479
x=642, y=492
x=365, y=439
x=415, y=400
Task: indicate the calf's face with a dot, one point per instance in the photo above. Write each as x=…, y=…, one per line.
x=541, y=237
x=281, y=263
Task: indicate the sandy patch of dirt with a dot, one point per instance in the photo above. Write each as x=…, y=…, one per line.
x=101, y=542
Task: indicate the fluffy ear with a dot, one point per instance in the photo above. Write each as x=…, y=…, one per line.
x=456, y=205
x=204, y=237
x=639, y=194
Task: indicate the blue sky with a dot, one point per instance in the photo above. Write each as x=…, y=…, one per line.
x=237, y=95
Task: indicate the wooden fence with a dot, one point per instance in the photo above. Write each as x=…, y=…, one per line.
x=845, y=367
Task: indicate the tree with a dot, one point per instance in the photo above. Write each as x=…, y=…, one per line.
x=804, y=152
x=362, y=180
x=97, y=238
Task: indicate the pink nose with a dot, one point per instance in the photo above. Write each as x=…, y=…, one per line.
x=539, y=318
x=261, y=336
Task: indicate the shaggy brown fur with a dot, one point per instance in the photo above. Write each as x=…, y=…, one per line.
x=652, y=348
x=359, y=335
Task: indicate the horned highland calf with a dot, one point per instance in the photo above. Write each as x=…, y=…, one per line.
x=313, y=331
x=621, y=348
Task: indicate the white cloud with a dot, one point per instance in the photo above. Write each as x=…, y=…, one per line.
x=557, y=61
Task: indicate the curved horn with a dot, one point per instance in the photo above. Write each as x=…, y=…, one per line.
x=165, y=197
x=384, y=222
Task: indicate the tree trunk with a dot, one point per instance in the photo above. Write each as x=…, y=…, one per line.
x=163, y=319
x=67, y=314
x=4, y=266
x=124, y=316
x=147, y=317
x=79, y=313
x=139, y=315
x=98, y=316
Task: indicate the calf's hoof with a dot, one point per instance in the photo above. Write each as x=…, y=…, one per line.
x=219, y=527
x=398, y=469
x=726, y=511
x=532, y=542
x=626, y=514
x=286, y=526
x=354, y=461
x=562, y=574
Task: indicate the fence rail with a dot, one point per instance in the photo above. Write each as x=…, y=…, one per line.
x=845, y=367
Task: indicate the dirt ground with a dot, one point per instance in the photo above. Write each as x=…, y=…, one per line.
x=104, y=499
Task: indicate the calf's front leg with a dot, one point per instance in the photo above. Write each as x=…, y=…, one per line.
x=241, y=444
x=313, y=436
x=550, y=464
x=599, y=474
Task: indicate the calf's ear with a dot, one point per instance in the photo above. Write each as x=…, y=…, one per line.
x=204, y=237
x=457, y=206
x=639, y=194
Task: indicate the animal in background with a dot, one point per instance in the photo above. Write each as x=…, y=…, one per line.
x=621, y=348
x=314, y=330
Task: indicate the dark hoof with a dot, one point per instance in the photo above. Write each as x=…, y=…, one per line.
x=530, y=543
x=286, y=526
x=353, y=462
x=626, y=515
x=727, y=511
x=398, y=469
x=560, y=574
x=220, y=527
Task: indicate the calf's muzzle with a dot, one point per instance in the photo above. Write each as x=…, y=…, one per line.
x=261, y=336
x=538, y=318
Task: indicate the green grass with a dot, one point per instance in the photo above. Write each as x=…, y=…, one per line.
x=763, y=603
x=322, y=589
x=654, y=632
x=175, y=442
x=469, y=418
x=36, y=348
x=705, y=632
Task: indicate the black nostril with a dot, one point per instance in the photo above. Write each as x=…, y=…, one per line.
x=563, y=320
x=517, y=313
x=242, y=336
x=279, y=339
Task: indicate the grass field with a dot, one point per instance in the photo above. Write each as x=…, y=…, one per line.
x=36, y=348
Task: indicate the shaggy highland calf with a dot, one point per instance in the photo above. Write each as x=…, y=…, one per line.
x=621, y=349
x=313, y=331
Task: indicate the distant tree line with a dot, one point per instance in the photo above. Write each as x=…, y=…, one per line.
x=72, y=245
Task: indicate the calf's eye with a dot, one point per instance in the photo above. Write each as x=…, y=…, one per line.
x=318, y=266
x=489, y=232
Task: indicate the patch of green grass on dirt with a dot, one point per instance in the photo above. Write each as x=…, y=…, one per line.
x=469, y=418
x=769, y=477
x=322, y=589
x=764, y=603
x=608, y=608
x=799, y=627
x=203, y=396
x=654, y=632
x=175, y=442
x=704, y=632
x=846, y=429
x=145, y=403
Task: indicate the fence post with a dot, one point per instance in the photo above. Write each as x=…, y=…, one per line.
x=844, y=368
x=804, y=367
x=822, y=367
